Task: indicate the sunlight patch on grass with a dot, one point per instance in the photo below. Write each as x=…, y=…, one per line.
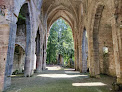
x=54, y=68
x=72, y=72
x=69, y=69
x=89, y=84
x=61, y=75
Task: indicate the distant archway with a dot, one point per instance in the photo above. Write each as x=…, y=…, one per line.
x=60, y=27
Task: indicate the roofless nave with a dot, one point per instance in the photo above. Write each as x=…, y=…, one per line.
x=102, y=19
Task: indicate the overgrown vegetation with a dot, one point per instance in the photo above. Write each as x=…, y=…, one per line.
x=21, y=19
x=60, y=42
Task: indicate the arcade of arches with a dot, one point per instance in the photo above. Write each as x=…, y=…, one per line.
x=24, y=26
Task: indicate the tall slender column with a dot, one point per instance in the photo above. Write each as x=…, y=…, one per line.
x=45, y=51
x=38, y=53
x=28, y=50
x=44, y=57
x=33, y=56
x=77, y=60
x=10, y=55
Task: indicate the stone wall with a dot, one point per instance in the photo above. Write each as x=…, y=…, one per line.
x=4, y=39
x=21, y=36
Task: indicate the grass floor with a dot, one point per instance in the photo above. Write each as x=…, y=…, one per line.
x=57, y=79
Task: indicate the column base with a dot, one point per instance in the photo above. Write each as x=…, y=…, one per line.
x=38, y=71
x=94, y=76
x=7, y=82
x=119, y=80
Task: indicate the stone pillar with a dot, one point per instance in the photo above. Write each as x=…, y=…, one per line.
x=44, y=54
x=119, y=57
x=77, y=56
x=38, y=55
x=33, y=56
x=28, y=50
x=80, y=49
x=119, y=29
x=10, y=55
x=38, y=64
x=43, y=58
x=84, y=52
x=4, y=39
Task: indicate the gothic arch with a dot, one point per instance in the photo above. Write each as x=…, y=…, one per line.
x=60, y=7
x=57, y=17
x=63, y=14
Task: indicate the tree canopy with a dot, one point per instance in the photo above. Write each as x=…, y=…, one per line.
x=60, y=42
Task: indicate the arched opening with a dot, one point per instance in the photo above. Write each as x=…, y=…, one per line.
x=23, y=36
x=19, y=60
x=84, y=51
x=60, y=45
x=19, y=34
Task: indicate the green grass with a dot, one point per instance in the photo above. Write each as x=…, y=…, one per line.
x=47, y=84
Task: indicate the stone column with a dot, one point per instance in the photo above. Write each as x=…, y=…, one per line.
x=28, y=50
x=118, y=59
x=10, y=55
x=80, y=49
x=119, y=24
x=77, y=57
x=39, y=64
x=4, y=39
x=44, y=57
x=84, y=52
x=33, y=56
x=45, y=53
x=38, y=55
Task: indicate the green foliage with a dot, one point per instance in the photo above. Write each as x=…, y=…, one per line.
x=21, y=16
x=21, y=19
x=60, y=42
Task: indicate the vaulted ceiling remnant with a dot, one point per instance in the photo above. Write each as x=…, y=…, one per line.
x=66, y=9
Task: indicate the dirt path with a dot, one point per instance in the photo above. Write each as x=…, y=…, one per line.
x=57, y=79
